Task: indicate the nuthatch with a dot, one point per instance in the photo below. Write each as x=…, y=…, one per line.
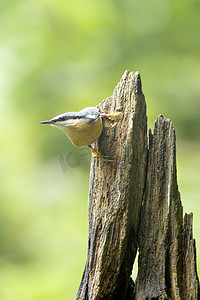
x=83, y=128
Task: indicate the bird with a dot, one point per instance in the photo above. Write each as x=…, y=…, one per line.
x=83, y=128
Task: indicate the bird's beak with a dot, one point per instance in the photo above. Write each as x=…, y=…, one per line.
x=46, y=122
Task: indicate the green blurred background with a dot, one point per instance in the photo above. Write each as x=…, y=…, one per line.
x=59, y=56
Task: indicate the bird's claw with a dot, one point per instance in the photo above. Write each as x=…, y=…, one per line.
x=103, y=157
x=110, y=116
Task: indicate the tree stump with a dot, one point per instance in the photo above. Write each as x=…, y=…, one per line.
x=134, y=203
x=166, y=246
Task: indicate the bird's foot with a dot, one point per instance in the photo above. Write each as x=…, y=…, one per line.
x=111, y=116
x=98, y=154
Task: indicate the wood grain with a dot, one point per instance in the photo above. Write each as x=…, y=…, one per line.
x=116, y=191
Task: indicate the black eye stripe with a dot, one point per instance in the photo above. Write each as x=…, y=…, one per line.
x=65, y=118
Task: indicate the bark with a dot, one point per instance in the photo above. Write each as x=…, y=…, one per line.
x=134, y=201
x=116, y=190
x=167, y=259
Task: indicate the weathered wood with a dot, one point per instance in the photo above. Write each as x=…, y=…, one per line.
x=115, y=196
x=167, y=259
x=190, y=285
x=134, y=201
